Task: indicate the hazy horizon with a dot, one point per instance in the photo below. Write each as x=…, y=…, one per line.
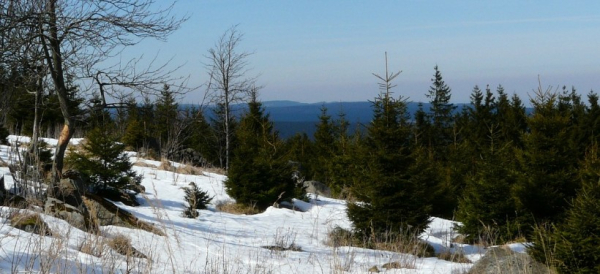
x=326, y=51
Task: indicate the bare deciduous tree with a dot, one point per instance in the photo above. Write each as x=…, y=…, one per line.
x=76, y=38
x=228, y=84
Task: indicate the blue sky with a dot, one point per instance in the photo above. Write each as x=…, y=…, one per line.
x=313, y=51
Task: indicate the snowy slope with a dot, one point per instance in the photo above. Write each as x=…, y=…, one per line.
x=216, y=242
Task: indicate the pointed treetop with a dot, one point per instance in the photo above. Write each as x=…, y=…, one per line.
x=386, y=84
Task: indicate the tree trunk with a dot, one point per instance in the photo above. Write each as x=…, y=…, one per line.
x=61, y=148
x=54, y=58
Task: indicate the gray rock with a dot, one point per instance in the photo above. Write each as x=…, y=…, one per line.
x=104, y=212
x=318, y=188
x=70, y=189
x=499, y=260
x=73, y=215
x=189, y=156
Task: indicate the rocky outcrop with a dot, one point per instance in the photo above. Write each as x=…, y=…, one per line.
x=31, y=223
x=503, y=260
x=105, y=213
x=189, y=156
x=70, y=189
x=318, y=188
x=95, y=211
x=76, y=216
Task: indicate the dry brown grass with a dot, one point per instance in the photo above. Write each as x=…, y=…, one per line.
x=189, y=170
x=143, y=164
x=215, y=170
x=30, y=222
x=182, y=168
x=94, y=245
x=457, y=257
x=410, y=244
x=238, y=209
x=409, y=248
x=120, y=243
x=166, y=165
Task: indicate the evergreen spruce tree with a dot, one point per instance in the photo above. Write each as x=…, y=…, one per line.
x=486, y=210
x=344, y=167
x=422, y=128
x=200, y=136
x=442, y=142
x=134, y=134
x=592, y=119
x=510, y=117
x=389, y=202
x=547, y=161
x=146, y=115
x=324, y=146
x=196, y=199
x=259, y=174
x=166, y=117
x=103, y=164
x=578, y=236
x=300, y=152
x=572, y=245
x=440, y=112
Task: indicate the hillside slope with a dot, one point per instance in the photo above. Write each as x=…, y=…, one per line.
x=216, y=242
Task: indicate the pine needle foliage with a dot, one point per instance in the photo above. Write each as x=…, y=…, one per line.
x=196, y=199
x=259, y=174
x=103, y=163
x=575, y=242
x=389, y=200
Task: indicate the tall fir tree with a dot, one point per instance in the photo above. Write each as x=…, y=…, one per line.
x=574, y=242
x=166, y=121
x=200, y=136
x=592, y=119
x=343, y=166
x=103, y=163
x=324, y=138
x=389, y=202
x=485, y=211
x=547, y=162
x=259, y=174
x=441, y=112
x=134, y=135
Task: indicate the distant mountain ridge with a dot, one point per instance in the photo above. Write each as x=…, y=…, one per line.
x=290, y=117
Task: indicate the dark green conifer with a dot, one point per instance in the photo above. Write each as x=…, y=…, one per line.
x=259, y=174
x=196, y=199
x=573, y=245
x=389, y=201
x=166, y=122
x=323, y=146
x=103, y=163
x=441, y=112
x=547, y=161
x=487, y=211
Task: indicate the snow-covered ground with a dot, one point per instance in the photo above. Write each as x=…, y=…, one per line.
x=216, y=242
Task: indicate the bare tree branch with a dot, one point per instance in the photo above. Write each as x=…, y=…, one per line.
x=227, y=69
x=76, y=38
